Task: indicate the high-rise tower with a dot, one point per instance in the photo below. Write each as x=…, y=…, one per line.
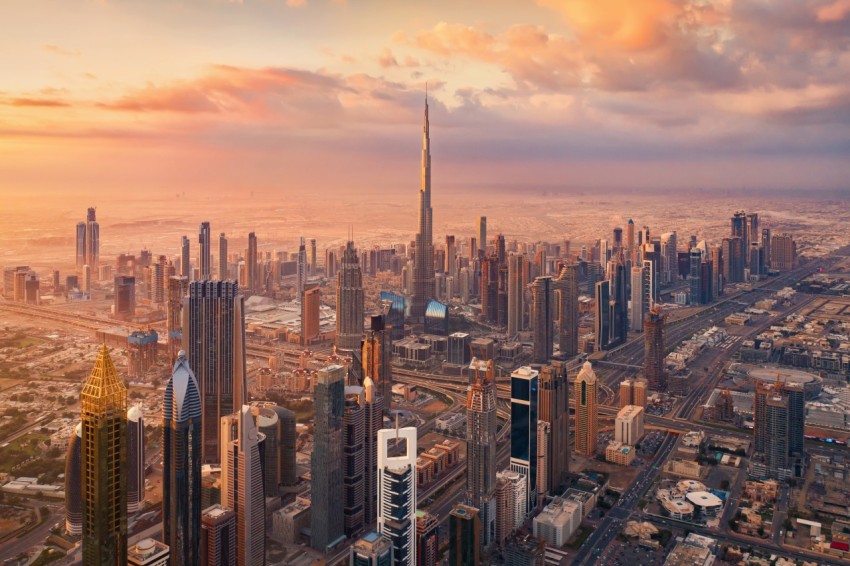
x=374, y=421
x=353, y=462
x=253, y=282
x=135, y=459
x=654, y=371
x=222, y=256
x=214, y=337
x=524, y=389
x=301, y=270
x=73, y=484
x=177, y=288
x=397, y=492
x=587, y=412
x=567, y=286
x=423, y=252
x=554, y=409
x=376, y=354
x=92, y=240
x=181, y=464
x=185, y=258
x=103, y=403
x=326, y=517
x=80, y=241
x=204, y=251
x=541, y=319
x=349, y=301
x=481, y=449
x=245, y=490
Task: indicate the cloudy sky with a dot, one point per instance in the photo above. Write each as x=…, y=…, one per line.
x=327, y=95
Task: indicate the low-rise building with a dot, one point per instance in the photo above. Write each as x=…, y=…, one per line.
x=619, y=453
x=558, y=521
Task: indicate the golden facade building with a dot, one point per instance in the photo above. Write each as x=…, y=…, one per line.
x=587, y=411
x=103, y=402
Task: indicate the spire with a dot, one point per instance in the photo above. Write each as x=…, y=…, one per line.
x=103, y=383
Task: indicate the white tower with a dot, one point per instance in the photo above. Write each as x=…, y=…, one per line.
x=397, y=492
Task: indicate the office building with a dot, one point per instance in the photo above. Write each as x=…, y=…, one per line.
x=124, y=302
x=74, y=484
x=482, y=236
x=301, y=270
x=619, y=305
x=80, y=241
x=397, y=492
x=253, y=283
x=602, y=321
x=178, y=288
x=243, y=476
x=135, y=459
x=637, y=300
x=90, y=242
x=427, y=537
x=185, y=258
x=451, y=258
x=371, y=549
x=349, y=301
x=458, y=349
x=567, y=286
x=278, y=425
x=464, y=536
x=524, y=390
x=783, y=252
x=587, y=411
x=778, y=430
x=628, y=426
x=481, y=449
x=669, y=258
x=310, y=308
x=218, y=536
x=327, y=525
x=148, y=552
x=103, y=403
x=376, y=354
x=374, y=421
x=516, y=288
x=354, y=469
x=554, y=410
x=181, y=463
x=541, y=320
x=222, y=257
x=204, y=251
x=633, y=392
x=653, y=349
x=423, y=250
x=214, y=337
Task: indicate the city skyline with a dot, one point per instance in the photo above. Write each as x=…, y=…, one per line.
x=553, y=93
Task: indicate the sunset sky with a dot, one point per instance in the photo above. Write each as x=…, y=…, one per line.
x=301, y=95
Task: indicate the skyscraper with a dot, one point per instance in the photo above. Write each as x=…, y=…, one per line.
x=326, y=517
x=301, y=270
x=185, y=258
x=73, y=484
x=222, y=256
x=181, y=464
x=204, y=250
x=178, y=287
x=524, y=389
x=654, y=351
x=482, y=235
x=464, y=536
x=103, y=402
x=567, y=286
x=636, y=304
x=253, y=282
x=245, y=490
x=218, y=536
x=602, y=320
x=587, y=412
x=349, y=301
x=353, y=462
x=423, y=251
x=554, y=409
x=778, y=430
x=481, y=449
x=313, y=266
x=125, y=297
x=783, y=252
x=451, y=257
x=376, y=354
x=397, y=492
x=92, y=241
x=619, y=307
x=214, y=337
x=516, y=310
x=135, y=459
x=80, y=240
x=278, y=425
x=310, y=308
x=374, y=421
x=541, y=317
x=427, y=537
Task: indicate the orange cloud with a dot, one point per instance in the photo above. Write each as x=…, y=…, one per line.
x=50, y=48
x=35, y=102
x=834, y=12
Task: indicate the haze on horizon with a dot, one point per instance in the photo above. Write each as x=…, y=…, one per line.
x=216, y=97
